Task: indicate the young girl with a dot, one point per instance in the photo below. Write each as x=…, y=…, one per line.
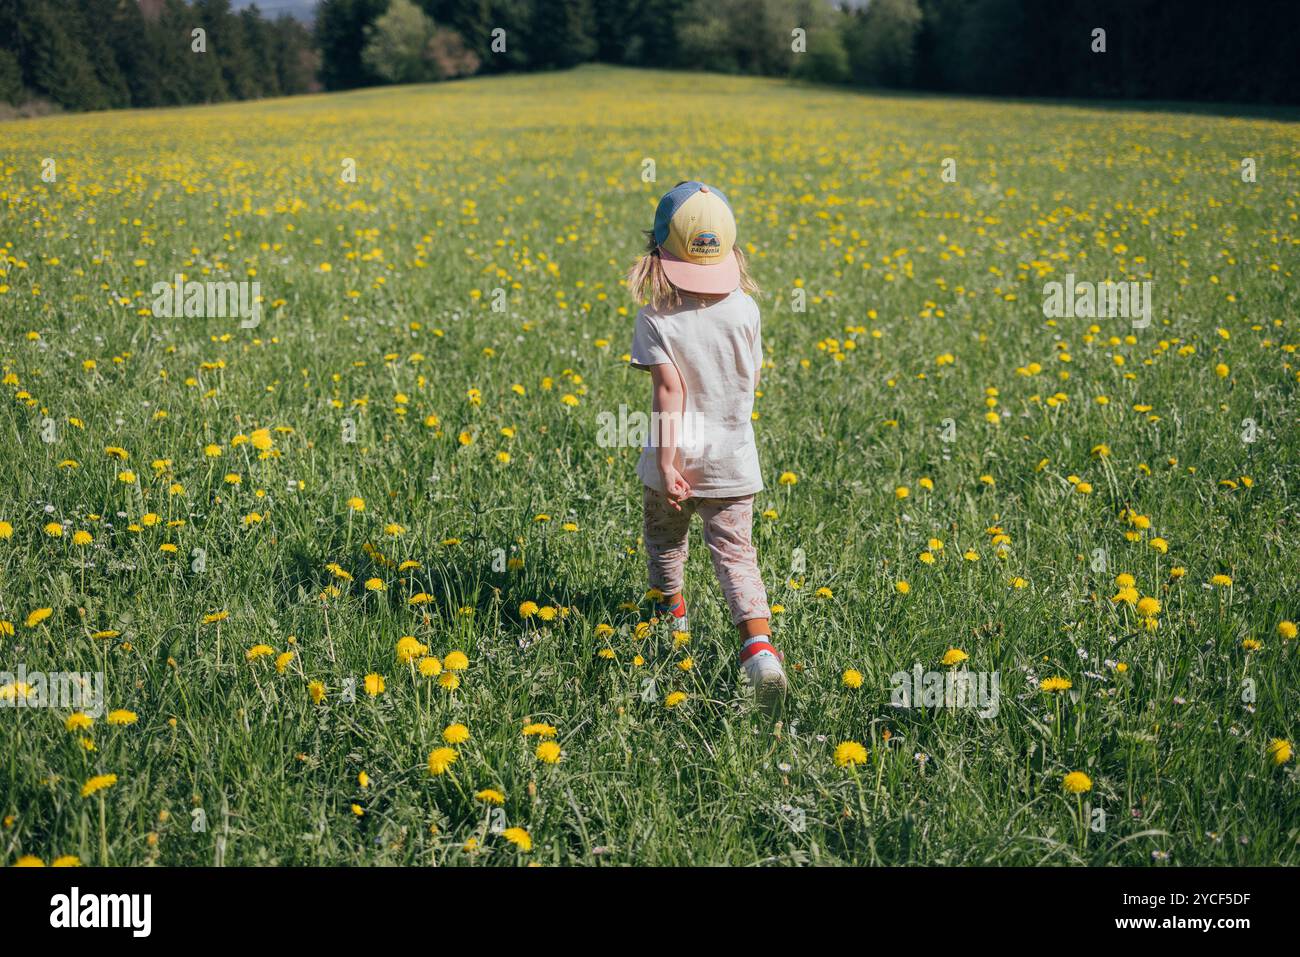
x=699, y=339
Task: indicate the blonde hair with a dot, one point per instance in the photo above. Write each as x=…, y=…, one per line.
x=647, y=279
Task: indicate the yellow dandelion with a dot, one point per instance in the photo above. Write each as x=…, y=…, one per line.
x=519, y=838
x=455, y=734
x=1076, y=782
x=98, y=783
x=548, y=751
x=440, y=759
x=849, y=753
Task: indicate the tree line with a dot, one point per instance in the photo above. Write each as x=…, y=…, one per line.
x=94, y=54
x=107, y=54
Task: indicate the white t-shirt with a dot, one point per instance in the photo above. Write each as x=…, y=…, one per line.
x=718, y=351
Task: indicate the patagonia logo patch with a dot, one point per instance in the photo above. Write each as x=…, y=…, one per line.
x=703, y=244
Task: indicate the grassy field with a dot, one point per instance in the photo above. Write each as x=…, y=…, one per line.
x=406, y=447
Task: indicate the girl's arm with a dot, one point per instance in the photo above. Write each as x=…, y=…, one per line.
x=669, y=407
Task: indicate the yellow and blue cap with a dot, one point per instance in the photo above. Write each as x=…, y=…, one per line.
x=696, y=234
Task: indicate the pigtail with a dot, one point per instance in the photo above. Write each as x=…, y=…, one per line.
x=647, y=279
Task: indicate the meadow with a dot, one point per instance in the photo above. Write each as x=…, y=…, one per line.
x=365, y=588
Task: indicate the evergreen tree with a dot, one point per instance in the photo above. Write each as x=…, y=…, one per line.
x=340, y=35
x=53, y=63
x=560, y=34
x=512, y=16
x=11, y=79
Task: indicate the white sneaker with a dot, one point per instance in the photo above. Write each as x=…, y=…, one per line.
x=762, y=666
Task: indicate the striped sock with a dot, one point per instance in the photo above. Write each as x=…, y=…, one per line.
x=675, y=605
x=757, y=646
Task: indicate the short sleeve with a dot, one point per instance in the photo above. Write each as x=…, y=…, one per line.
x=758, y=343
x=647, y=346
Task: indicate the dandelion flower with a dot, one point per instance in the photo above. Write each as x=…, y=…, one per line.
x=1076, y=782
x=409, y=649
x=98, y=783
x=519, y=838
x=848, y=753
x=851, y=678
x=548, y=751
x=455, y=734
x=440, y=759
x=38, y=616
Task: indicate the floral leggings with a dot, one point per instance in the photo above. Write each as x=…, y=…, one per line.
x=727, y=524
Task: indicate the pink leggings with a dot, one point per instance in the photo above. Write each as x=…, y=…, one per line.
x=727, y=523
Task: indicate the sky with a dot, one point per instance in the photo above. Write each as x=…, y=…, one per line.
x=302, y=9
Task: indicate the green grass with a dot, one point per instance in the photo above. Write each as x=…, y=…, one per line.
x=533, y=185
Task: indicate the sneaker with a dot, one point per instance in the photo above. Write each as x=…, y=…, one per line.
x=673, y=615
x=764, y=669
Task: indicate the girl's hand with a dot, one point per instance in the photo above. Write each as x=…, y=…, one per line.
x=676, y=488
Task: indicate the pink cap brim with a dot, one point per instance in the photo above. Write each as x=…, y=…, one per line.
x=717, y=278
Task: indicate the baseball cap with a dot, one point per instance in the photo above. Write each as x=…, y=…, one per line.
x=696, y=234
